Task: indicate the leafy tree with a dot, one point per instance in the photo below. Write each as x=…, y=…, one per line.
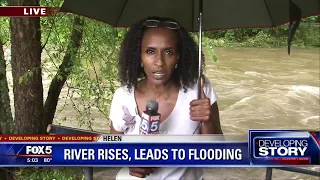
x=31, y=115
x=26, y=65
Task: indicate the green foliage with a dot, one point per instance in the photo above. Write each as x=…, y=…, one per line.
x=25, y=77
x=307, y=35
x=49, y=174
x=94, y=74
x=4, y=26
x=207, y=47
x=209, y=50
x=4, y=30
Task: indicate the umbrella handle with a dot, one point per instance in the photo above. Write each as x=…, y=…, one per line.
x=199, y=96
x=200, y=56
x=200, y=48
x=199, y=124
x=199, y=85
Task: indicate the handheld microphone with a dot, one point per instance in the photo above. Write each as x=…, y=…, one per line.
x=150, y=122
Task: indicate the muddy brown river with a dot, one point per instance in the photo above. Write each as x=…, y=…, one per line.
x=257, y=89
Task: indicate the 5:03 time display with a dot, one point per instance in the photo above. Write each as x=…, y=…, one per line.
x=32, y=160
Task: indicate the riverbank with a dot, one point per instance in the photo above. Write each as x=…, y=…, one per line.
x=306, y=36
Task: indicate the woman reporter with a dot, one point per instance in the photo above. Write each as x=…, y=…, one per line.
x=159, y=61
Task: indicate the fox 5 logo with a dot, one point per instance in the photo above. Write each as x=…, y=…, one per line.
x=39, y=150
x=149, y=127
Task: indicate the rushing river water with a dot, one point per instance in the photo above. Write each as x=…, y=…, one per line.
x=257, y=89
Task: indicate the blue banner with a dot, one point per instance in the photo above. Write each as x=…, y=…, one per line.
x=284, y=147
x=265, y=148
x=124, y=154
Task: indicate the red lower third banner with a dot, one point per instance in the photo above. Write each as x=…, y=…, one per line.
x=28, y=11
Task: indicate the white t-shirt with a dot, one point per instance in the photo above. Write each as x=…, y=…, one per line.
x=125, y=118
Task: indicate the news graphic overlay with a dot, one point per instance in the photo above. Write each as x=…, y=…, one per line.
x=284, y=147
x=119, y=151
x=27, y=11
x=150, y=121
x=32, y=150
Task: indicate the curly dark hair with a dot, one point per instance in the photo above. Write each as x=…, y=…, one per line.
x=129, y=66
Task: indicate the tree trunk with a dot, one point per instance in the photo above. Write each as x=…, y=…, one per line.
x=6, y=120
x=6, y=173
x=26, y=71
x=64, y=70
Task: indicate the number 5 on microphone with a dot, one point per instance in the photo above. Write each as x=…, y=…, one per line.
x=149, y=127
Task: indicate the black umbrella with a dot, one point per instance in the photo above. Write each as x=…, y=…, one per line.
x=199, y=15
x=217, y=14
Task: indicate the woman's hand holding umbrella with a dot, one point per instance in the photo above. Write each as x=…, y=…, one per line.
x=200, y=108
x=202, y=111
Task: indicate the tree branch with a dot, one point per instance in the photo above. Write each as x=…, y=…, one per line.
x=64, y=70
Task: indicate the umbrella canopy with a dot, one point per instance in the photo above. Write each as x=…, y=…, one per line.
x=217, y=14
